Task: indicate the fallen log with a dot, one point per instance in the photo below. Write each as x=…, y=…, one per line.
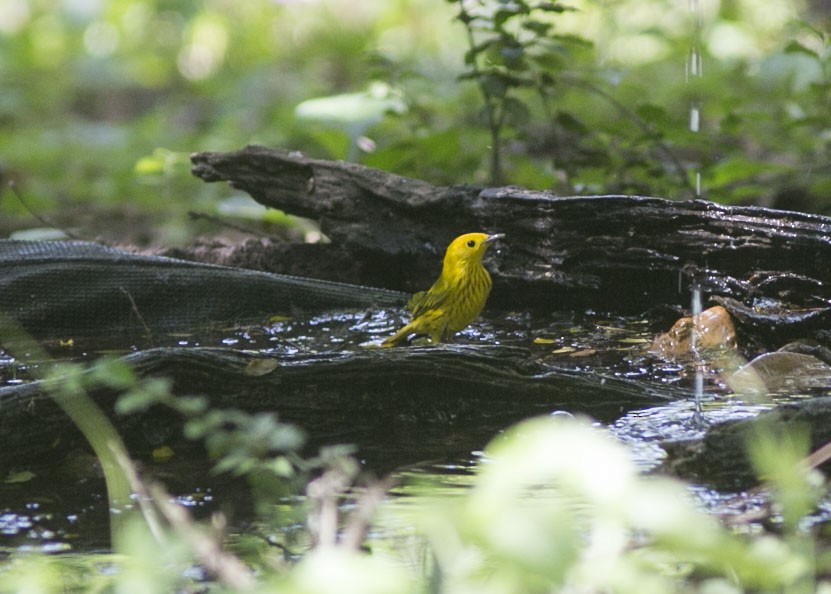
x=619, y=253
x=418, y=393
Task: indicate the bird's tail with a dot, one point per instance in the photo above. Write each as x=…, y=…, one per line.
x=400, y=337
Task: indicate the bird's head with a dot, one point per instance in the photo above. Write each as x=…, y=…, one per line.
x=468, y=249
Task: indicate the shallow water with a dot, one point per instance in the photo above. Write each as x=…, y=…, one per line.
x=61, y=509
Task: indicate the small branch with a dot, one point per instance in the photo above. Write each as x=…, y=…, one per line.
x=35, y=215
x=154, y=500
x=641, y=123
x=494, y=122
x=195, y=216
x=360, y=521
x=135, y=309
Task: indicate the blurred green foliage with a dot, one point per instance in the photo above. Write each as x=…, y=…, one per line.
x=536, y=518
x=103, y=100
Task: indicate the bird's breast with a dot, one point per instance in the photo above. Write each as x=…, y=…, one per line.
x=470, y=292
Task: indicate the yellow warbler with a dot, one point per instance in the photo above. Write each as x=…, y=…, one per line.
x=456, y=298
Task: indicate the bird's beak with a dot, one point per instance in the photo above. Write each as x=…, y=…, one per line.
x=494, y=237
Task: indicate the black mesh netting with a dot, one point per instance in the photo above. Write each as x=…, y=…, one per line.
x=54, y=288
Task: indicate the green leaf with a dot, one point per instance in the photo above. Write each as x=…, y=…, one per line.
x=113, y=373
x=281, y=467
x=495, y=85
x=778, y=456
x=570, y=122
x=549, y=60
x=538, y=27
x=191, y=405
x=731, y=123
x=204, y=425
x=513, y=57
x=134, y=401
x=349, y=108
x=554, y=7
x=509, y=11
x=149, y=166
x=738, y=169
x=516, y=111
x=573, y=40
x=654, y=114
x=794, y=47
x=473, y=52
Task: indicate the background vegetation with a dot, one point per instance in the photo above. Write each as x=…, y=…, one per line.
x=103, y=100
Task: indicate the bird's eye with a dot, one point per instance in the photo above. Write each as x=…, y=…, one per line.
x=471, y=243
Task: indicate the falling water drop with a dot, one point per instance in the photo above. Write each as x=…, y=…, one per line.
x=695, y=118
x=694, y=64
x=695, y=9
x=695, y=69
x=698, y=387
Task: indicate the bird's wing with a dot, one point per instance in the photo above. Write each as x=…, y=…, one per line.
x=432, y=298
x=416, y=300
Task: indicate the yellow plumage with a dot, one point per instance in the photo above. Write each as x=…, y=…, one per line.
x=456, y=298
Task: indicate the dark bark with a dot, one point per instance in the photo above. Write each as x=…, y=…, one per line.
x=621, y=253
x=349, y=397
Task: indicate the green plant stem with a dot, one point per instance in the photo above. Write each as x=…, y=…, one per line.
x=84, y=413
x=494, y=122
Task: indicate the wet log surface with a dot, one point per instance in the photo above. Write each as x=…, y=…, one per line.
x=619, y=253
x=339, y=398
x=720, y=459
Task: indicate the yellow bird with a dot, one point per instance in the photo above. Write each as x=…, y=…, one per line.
x=456, y=298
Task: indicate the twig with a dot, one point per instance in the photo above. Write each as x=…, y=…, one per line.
x=35, y=215
x=145, y=503
x=194, y=216
x=360, y=521
x=325, y=491
x=228, y=569
x=640, y=122
x=136, y=311
x=810, y=462
x=819, y=457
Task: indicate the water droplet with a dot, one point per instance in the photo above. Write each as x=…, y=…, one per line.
x=695, y=118
x=694, y=64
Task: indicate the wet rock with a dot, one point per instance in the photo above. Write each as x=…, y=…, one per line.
x=713, y=329
x=782, y=371
x=720, y=459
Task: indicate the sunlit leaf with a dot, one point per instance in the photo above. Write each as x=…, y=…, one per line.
x=538, y=27
x=22, y=476
x=365, y=107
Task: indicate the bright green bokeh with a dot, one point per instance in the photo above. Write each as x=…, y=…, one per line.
x=103, y=100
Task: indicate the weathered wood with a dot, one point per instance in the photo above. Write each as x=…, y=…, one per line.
x=621, y=253
x=341, y=397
